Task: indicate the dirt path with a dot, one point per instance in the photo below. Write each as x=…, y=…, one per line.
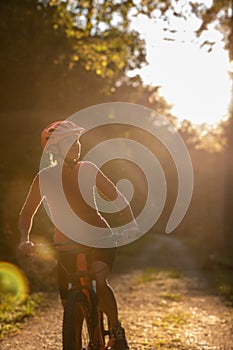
x=165, y=302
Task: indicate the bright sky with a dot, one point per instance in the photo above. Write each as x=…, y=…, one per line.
x=194, y=81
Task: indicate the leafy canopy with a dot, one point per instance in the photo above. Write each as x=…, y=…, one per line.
x=100, y=34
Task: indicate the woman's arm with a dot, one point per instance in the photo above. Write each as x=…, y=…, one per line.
x=109, y=191
x=26, y=215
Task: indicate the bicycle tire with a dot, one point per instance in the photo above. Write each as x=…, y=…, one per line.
x=76, y=322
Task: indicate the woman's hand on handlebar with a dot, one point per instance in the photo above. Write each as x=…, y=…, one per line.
x=27, y=247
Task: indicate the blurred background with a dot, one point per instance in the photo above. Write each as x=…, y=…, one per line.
x=58, y=57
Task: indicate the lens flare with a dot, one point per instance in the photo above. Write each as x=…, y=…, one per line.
x=13, y=281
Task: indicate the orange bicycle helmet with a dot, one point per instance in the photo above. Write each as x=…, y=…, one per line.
x=56, y=131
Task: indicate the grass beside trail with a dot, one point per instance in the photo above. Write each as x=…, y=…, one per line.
x=224, y=281
x=13, y=313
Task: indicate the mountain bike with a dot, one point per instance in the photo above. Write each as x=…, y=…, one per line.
x=85, y=326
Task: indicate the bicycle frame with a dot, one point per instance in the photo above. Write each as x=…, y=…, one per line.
x=84, y=282
x=88, y=284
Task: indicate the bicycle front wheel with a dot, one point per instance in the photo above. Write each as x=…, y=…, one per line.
x=77, y=328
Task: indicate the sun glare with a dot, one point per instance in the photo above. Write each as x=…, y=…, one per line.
x=194, y=81
x=13, y=281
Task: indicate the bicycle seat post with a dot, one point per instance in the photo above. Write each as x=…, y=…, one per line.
x=82, y=266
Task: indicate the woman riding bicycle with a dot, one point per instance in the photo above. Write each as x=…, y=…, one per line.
x=54, y=139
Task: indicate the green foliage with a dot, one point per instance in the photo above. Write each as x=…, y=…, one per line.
x=12, y=314
x=155, y=274
x=100, y=35
x=224, y=280
x=148, y=275
x=172, y=319
x=172, y=297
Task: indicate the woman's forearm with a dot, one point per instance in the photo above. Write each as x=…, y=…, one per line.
x=24, y=226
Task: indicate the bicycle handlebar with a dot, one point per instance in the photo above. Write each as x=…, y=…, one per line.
x=75, y=249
